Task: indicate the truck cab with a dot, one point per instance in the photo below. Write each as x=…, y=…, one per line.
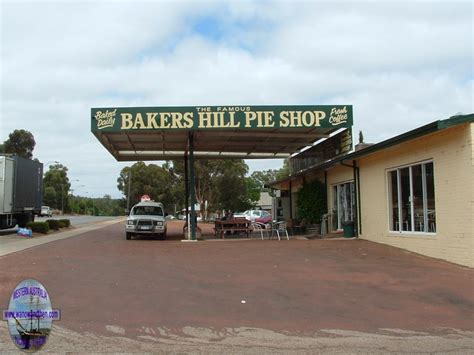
x=146, y=218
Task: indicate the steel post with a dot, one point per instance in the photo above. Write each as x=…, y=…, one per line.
x=191, y=187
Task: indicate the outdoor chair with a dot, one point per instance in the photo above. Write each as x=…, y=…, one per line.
x=326, y=223
x=259, y=228
x=280, y=227
x=432, y=221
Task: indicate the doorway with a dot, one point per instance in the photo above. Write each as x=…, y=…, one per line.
x=343, y=204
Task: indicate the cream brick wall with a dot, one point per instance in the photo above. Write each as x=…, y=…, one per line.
x=452, y=152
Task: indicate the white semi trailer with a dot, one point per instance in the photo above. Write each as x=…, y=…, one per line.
x=21, y=190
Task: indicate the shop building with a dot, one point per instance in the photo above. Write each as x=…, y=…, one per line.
x=414, y=191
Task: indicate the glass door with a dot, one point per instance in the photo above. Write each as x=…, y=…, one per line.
x=343, y=204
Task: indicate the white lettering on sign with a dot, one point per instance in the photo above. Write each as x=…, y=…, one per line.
x=152, y=120
x=105, y=119
x=233, y=108
x=262, y=119
x=217, y=120
x=227, y=117
x=301, y=118
x=338, y=116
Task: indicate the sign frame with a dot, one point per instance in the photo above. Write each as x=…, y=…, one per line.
x=203, y=118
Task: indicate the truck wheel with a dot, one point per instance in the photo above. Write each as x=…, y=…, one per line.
x=23, y=220
x=128, y=235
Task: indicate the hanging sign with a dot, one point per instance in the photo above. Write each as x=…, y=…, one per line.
x=220, y=117
x=145, y=198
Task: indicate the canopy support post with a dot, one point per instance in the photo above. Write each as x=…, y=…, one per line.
x=186, y=193
x=191, y=186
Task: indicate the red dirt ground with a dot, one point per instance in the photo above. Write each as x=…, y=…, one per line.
x=99, y=278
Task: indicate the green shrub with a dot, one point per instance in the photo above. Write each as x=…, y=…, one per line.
x=40, y=227
x=64, y=223
x=53, y=224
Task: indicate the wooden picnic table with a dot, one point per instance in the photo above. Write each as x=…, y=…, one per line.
x=239, y=225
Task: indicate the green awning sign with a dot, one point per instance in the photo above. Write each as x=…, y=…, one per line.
x=220, y=117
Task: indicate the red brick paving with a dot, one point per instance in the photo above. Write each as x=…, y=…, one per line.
x=99, y=279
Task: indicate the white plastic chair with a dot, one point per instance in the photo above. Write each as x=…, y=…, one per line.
x=259, y=227
x=432, y=221
x=280, y=227
x=326, y=223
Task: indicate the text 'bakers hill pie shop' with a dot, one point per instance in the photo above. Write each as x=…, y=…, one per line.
x=414, y=191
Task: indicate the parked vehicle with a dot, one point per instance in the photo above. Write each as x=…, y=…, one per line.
x=264, y=218
x=46, y=211
x=146, y=218
x=21, y=190
x=182, y=217
x=255, y=216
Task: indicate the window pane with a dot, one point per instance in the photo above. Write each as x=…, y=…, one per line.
x=406, y=205
x=418, y=198
x=394, y=200
x=430, y=196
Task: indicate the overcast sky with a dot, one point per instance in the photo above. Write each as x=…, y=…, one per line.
x=400, y=64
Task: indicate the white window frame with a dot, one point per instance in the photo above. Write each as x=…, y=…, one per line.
x=399, y=197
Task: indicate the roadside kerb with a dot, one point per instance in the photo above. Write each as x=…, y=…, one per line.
x=15, y=245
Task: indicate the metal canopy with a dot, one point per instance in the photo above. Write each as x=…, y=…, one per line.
x=245, y=144
x=252, y=132
x=189, y=133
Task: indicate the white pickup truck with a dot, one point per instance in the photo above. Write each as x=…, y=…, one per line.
x=146, y=218
x=46, y=211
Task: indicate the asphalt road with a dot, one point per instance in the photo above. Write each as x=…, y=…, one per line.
x=75, y=221
x=246, y=296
